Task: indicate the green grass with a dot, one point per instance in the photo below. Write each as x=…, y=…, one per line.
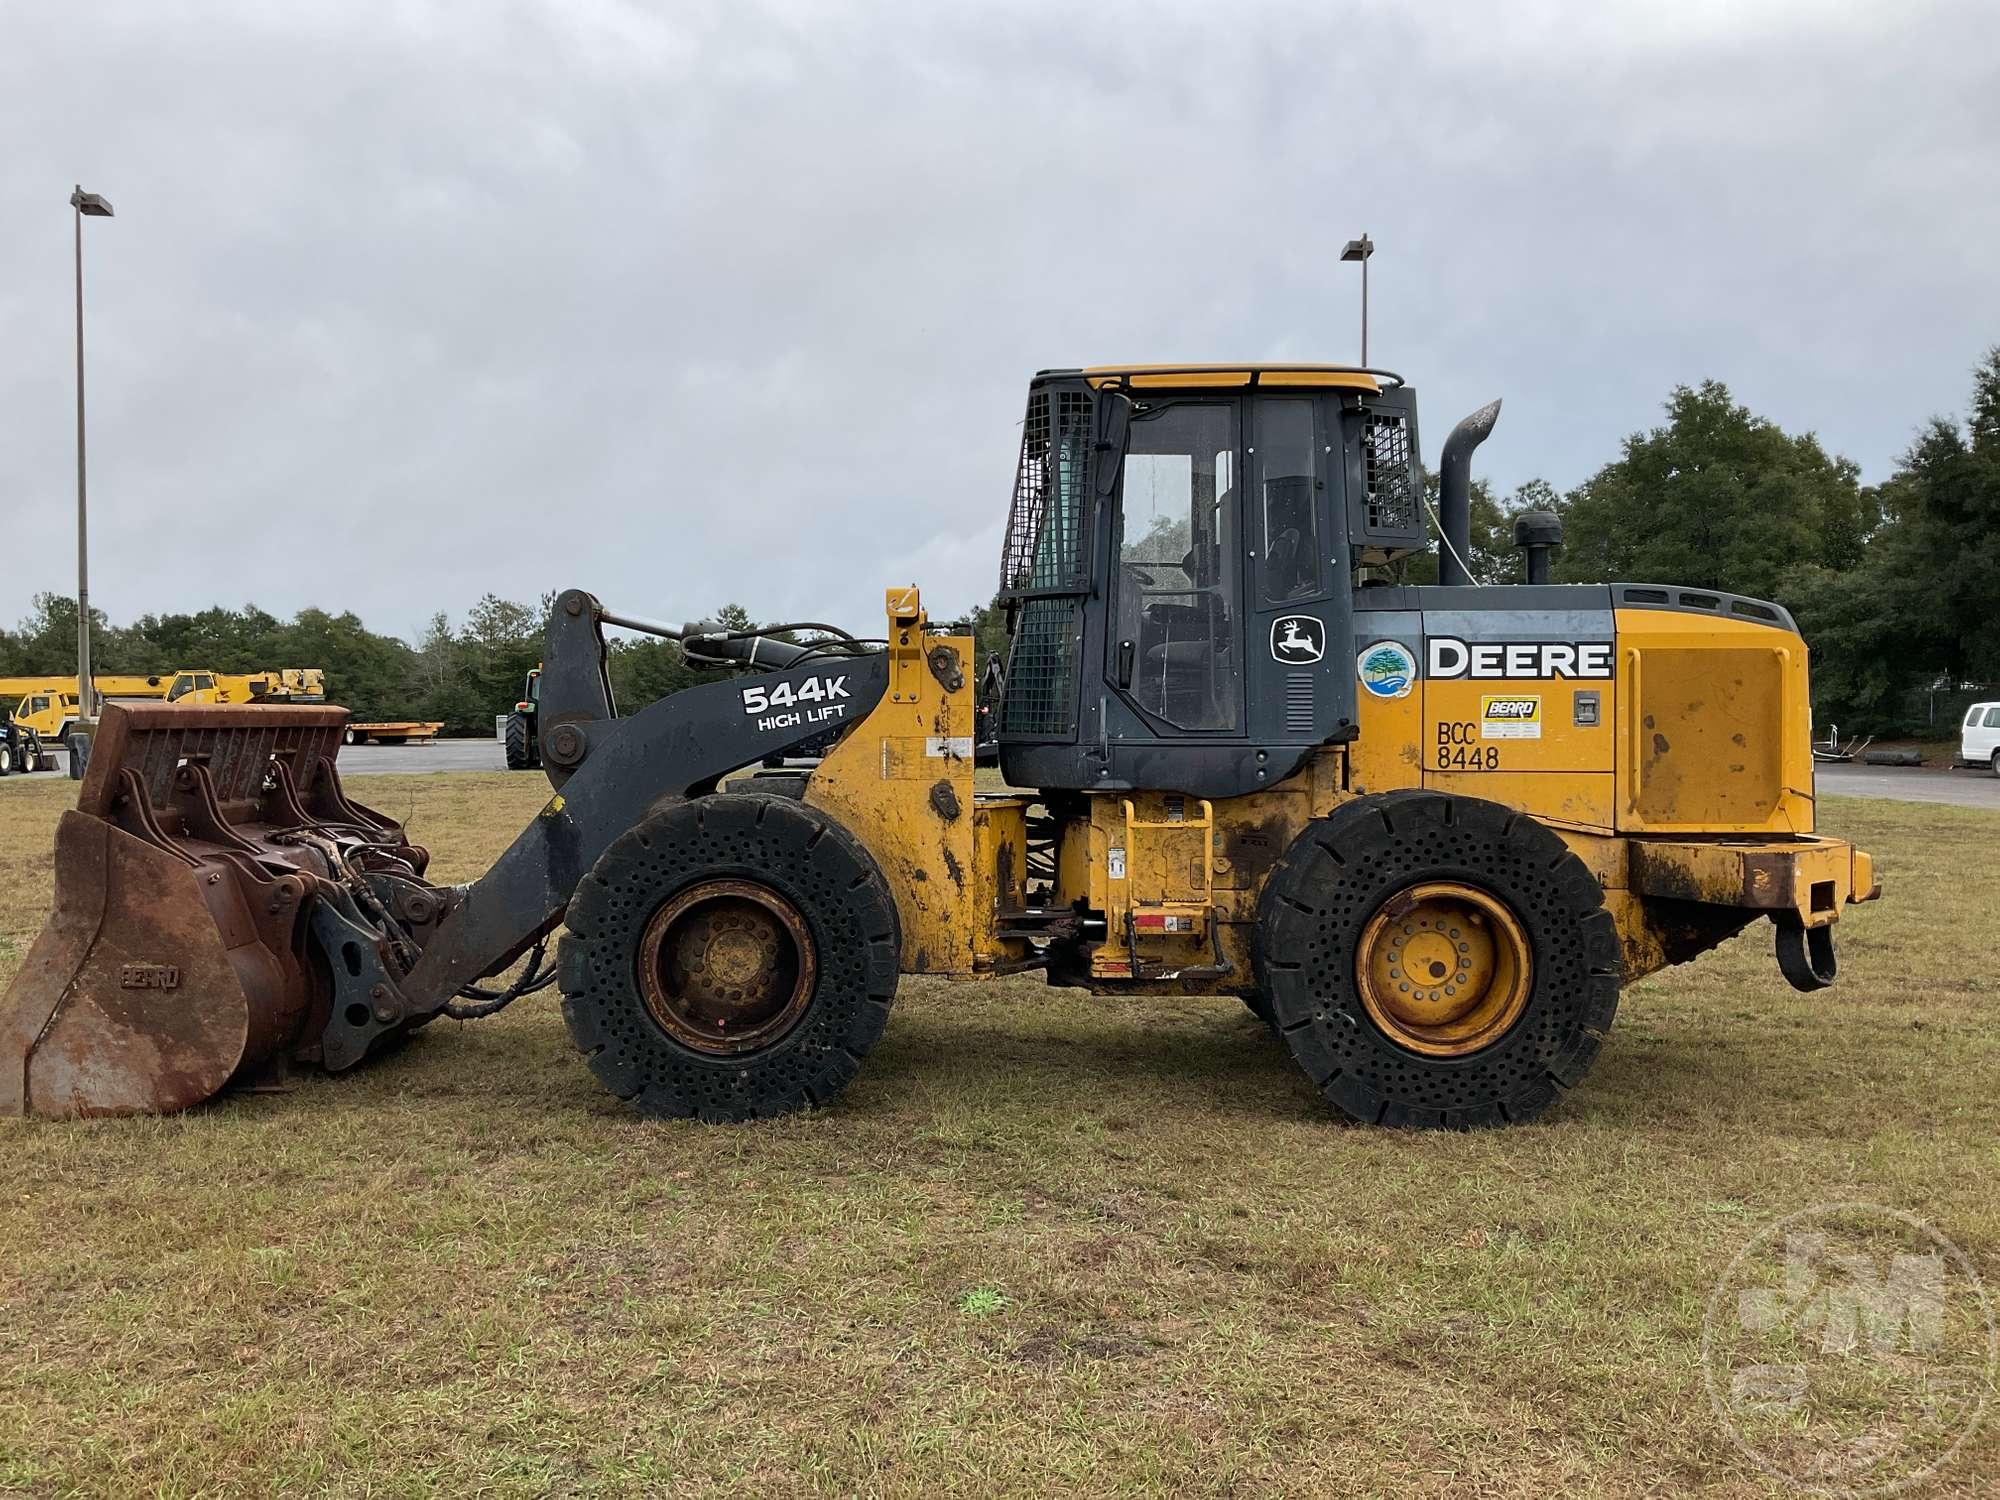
x=1047, y=1242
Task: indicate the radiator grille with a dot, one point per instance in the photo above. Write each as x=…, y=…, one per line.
x=1045, y=524
x=1392, y=479
x=1041, y=671
x=1298, y=703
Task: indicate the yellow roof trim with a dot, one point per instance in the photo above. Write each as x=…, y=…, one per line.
x=1214, y=376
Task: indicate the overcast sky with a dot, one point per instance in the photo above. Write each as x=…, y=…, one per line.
x=405, y=303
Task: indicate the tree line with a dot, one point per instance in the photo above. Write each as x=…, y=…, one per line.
x=461, y=675
x=1896, y=586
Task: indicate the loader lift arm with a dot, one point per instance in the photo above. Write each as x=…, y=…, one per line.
x=610, y=772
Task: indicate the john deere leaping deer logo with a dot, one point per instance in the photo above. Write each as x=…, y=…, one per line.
x=1387, y=669
x=1297, y=638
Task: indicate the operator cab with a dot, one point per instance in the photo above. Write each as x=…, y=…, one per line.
x=1179, y=564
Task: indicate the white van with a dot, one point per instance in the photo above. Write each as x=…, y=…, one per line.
x=1979, y=741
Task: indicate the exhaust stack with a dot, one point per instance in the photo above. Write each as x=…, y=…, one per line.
x=1455, y=493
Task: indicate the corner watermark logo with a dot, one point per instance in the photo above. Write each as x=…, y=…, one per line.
x=1849, y=1349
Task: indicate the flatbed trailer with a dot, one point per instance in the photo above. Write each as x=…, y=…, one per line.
x=393, y=732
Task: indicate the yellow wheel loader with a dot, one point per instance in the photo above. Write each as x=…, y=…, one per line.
x=1427, y=833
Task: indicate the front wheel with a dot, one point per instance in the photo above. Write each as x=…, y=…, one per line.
x=1996, y=762
x=730, y=957
x=6, y=758
x=1439, y=961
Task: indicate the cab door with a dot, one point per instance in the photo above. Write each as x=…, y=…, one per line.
x=1300, y=611
x=1175, y=649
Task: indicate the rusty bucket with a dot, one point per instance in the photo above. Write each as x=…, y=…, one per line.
x=178, y=958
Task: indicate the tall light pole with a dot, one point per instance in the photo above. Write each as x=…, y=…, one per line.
x=1360, y=250
x=92, y=205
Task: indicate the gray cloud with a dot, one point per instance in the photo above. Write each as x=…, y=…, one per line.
x=404, y=303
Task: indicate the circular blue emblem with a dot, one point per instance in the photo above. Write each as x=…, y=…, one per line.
x=1387, y=669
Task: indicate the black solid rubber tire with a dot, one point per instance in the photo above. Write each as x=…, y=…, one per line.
x=520, y=744
x=1320, y=896
x=6, y=759
x=796, y=850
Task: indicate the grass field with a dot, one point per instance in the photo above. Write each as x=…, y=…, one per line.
x=1045, y=1243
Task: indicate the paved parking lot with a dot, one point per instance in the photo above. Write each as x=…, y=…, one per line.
x=439, y=755
x=1909, y=784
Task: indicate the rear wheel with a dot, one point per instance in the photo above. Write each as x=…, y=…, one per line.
x=1437, y=961
x=33, y=757
x=6, y=758
x=1996, y=762
x=520, y=744
x=730, y=957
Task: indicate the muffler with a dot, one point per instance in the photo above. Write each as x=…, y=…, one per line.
x=210, y=852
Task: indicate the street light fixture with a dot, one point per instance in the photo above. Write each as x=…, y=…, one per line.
x=93, y=206
x=1360, y=250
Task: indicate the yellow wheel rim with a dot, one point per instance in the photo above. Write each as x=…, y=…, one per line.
x=1444, y=968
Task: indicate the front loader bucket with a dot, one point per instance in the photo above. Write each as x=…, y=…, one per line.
x=177, y=960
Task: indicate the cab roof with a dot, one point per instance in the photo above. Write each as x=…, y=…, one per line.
x=1232, y=374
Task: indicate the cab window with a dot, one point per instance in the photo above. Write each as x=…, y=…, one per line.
x=1177, y=607
x=1972, y=716
x=1281, y=480
x=1993, y=717
x=182, y=686
x=36, y=706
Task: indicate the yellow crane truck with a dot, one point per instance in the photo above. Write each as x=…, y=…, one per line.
x=49, y=706
x=1427, y=832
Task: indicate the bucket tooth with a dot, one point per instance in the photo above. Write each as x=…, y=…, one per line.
x=178, y=960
